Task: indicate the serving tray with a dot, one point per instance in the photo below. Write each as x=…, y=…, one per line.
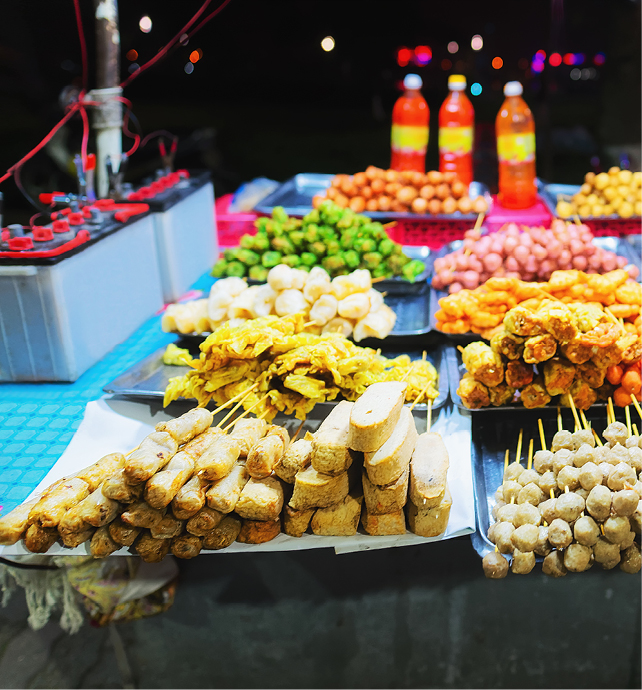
x=550, y=194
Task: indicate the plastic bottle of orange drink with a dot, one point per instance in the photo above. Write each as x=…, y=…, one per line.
x=515, y=131
x=456, y=127
x=409, y=136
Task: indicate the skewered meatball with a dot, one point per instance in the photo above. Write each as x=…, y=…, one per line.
x=598, y=502
x=590, y=476
x=543, y=461
x=631, y=560
x=598, y=454
x=616, y=433
x=503, y=534
x=606, y=552
x=507, y=513
x=562, y=458
x=568, y=476
x=547, y=482
x=548, y=510
x=633, y=441
x=636, y=519
x=581, y=437
x=637, y=487
x=542, y=548
x=577, y=558
x=635, y=455
x=523, y=562
x=553, y=565
x=586, y=531
x=528, y=476
x=583, y=493
x=584, y=454
x=627, y=541
x=499, y=495
x=525, y=537
x=495, y=566
x=617, y=454
x=562, y=439
x=531, y=493
x=496, y=507
x=513, y=471
x=625, y=502
x=511, y=490
x=616, y=528
x=623, y=475
x=491, y=534
x=606, y=469
x=559, y=534
x=570, y=506
x=528, y=514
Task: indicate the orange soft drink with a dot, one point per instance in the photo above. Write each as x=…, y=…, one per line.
x=409, y=136
x=456, y=126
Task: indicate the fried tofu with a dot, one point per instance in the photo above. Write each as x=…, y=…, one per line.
x=330, y=453
x=313, y=489
x=224, y=534
x=387, y=464
x=381, y=500
x=428, y=470
x=429, y=522
x=296, y=522
x=375, y=415
x=382, y=525
x=339, y=520
x=259, y=531
x=260, y=499
x=297, y=457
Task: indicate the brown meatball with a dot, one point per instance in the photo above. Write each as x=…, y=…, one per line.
x=627, y=541
x=492, y=537
x=631, y=560
x=616, y=433
x=511, y=489
x=570, y=506
x=527, y=514
x=553, y=565
x=559, y=534
x=495, y=566
x=622, y=476
x=542, y=548
x=503, y=534
x=523, y=562
x=507, y=513
x=616, y=529
x=636, y=519
x=577, y=558
x=590, y=476
x=625, y=502
x=606, y=552
x=548, y=510
x=584, y=454
x=581, y=437
x=513, y=471
x=531, y=493
x=525, y=537
x=562, y=458
x=568, y=476
x=598, y=502
x=586, y=531
x=543, y=461
x=562, y=439
x=547, y=482
x=528, y=477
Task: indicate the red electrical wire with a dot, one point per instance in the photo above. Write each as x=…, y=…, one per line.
x=209, y=16
x=126, y=130
x=85, y=136
x=83, y=45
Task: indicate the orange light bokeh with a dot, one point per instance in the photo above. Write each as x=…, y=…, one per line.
x=497, y=63
x=195, y=55
x=132, y=54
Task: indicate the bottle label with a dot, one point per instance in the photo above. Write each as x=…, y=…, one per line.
x=409, y=139
x=516, y=148
x=457, y=140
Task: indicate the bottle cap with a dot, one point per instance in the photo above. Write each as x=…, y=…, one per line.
x=457, y=82
x=412, y=81
x=513, y=88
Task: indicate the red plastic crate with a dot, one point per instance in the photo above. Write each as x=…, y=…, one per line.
x=429, y=233
x=614, y=227
x=534, y=216
x=231, y=226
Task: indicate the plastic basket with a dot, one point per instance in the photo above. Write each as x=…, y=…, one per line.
x=433, y=234
x=231, y=226
x=614, y=227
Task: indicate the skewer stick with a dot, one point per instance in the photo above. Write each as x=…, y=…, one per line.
x=586, y=423
x=512, y=498
x=636, y=404
x=559, y=418
x=460, y=348
x=424, y=354
x=479, y=221
x=542, y=438
x=379, y=279
x=577, y=220
x=429, y=415
x=519, y=446
x=611, y=411
x=566, y=488
x=552, y=493
x=627, y=414
x=635, y=429
x=597, y=438
x=530, y=455
x=602, y=528
x=245, y=394
x=571, y=403
x=298, y=431
x=249, y=409
x=506, y=459
x=421, y=395
x=263, y=414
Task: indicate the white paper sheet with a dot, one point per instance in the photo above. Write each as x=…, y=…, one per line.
x=111, y=426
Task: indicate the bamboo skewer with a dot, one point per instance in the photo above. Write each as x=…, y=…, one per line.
x=611, y=411
x=421, y=395
x=559, y=418
x=571, y=403
x=627, y=414
x=587, y=424
x=379, y=279
x=249, y=409
x=479, y=221
x=519, y=446
x=506, y=459
x=597, y=438
x=429, y=415
x=246, y=394
x=530, y=455
x=542, y=438
x=460, y=348
x=298, y=431
x=636, y=404
x=635, y=429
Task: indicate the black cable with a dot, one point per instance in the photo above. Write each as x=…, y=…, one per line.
x=23, y=191
x=27, y=566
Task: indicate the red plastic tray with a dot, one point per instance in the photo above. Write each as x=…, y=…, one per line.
x=231, y=226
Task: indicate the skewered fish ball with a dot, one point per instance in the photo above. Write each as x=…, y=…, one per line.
x=621, y=477
x=584, y=454
x=527, y=514
x=631, y=560
x=548, y=510
x=633, y=442
x=543, y=461
x=577, y=558
x=617, y=454
x=492, y=536
x=606, y=552
x=636, y=519
x=606, y=469
x=553, y=565
x=531, y=493
x=562, y=439
x=586, y=531
x=503, y=534
x=528, y=476
x=523, y=562
x=590, y=476
x=507, y=513
x=627, y=541
x=513, y=471
x=496, y=507
x=543, y=547
x=570, y=506
x=562, y=458
x=616, y=528
x=581, y=437
x=495, y=566
x=525, y=537
x=559, y=534
x=511, y=490
x=625, y=502
x=499, y=495
x=568, y=476
x=616, y=432
x=547, y=482
x=583, y=493
x=635, y=455
x=598, y=502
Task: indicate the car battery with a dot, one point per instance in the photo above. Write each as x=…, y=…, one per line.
x=184, y=219
x=72, y=290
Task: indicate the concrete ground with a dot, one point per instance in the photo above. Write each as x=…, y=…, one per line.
x=413, y=617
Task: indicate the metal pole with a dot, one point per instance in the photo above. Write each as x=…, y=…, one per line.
x=107, y=117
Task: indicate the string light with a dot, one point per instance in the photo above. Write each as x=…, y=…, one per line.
x=477, y=42
x=145, y=24
x=327, y=44
x=453, y=47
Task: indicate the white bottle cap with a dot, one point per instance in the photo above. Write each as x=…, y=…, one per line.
x=457, y=82
x=412, y=81
x=513, y=88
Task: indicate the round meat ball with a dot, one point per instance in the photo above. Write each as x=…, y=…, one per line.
x=548, y=482
x=513, y=471
x=499, y=495
x=590, y=476
x=562, y=458
x=605, y=552
x=598, y=502
x=627, y=541
x=625, y=502
x=616, y=528
x=507, y=513
x=577, y=558
x=616, y=433
x=617, y=454
x=633, y=441
x=531, y=493
x=570, y=506
x=523, y=562
x=503, y=534
x=562, y=439
x=511, y=490
x=635, y=455
x=631, y=560
x=584, y=454
x=553, y=565
x=606, y=469
x=598, y=454
x=568, y=476
x=583, y=493
x=495, y=566
x=527, y=514
x=586, y=531
x=496, y=507
x=548, y=510
x=543, y=461
x=492, y=537
x=542, y=548
x=525, y=537
x=465, y=205
x=559, y=534
x=623, y=475
x=636, y=519
x=637, y=487
x=581, y=437
x=434, y=206
x=528, y=476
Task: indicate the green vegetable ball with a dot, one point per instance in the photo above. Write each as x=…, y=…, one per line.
x=271, y=259
x=308, y=259
x=220, y=267
x=258, y=273
x=235, y=269
x=291, y=260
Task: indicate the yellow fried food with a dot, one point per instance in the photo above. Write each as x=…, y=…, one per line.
x=535, y=394
x=558, y=375
x=483, y=364
x=539, y=348
x=521, y=321
x=473, y=393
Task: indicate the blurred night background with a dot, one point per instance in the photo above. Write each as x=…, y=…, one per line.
x=264, y=99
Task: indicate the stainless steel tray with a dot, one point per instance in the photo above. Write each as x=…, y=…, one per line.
x=148, y=378
x=550, y=194
x=295, y=195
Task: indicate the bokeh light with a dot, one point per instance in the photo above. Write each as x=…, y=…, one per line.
x=575, y=74
x=497, y=63
x=446, y=64
x=189, y=68
x=475, y=89
x=195, y=55
x=555, y=60
x=599, y=59
x=327, y=44
x=579, y=58
x=569, y=59
x=145, y=24
x=453, y=47
x=403, y=56
x=477, y=42
x=423, y=55
x=132, y=55
x=540, y=55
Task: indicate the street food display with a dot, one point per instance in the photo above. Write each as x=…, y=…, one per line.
x=337, y=239
x=616, y=192
x=403, y=191
x=575, y=505
x=347, y=304
x=483, y=309
x=548, y=350
x=526, y=253
x=288, y=369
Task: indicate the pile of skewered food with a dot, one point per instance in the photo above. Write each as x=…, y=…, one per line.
x=290, y=370
x=579, y=503
x=529, y=253
x=571, y=345
x=402, y=192
x=190, y=486
x=347, y=304
x=482, y=310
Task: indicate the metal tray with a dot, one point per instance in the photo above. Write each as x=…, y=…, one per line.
x=295, y=195
x=550, y=194
x=148, y=378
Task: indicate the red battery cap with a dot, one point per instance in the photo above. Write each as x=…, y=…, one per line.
x=75, y=219
x=60, y=226
x=19, y=244
x=104, y=204
x=42, y=234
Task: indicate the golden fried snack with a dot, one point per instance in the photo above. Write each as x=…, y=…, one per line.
x=558, y=375
x=429, y=522
x=258, y=531
x=297, y=457
x=473, y=394
x=428, y=470
x=507, y=344
x=559, y=321
x=96, y=474
x=198, y=445
x=204, y=521
x=117, y=488
x=38, y=539
x=95, y=510
x=371, y=421
x=583, y=395
x=296, y=522
x=49, y=510
x=592, y=374
x=385, y=499
x=313, y=489
x=13, y=524
x=190, y=498
x=631, y=347
x=102, y=545
x=264, y=456
x=73, y=539
x=518, y=374
x=539, y=348
x=340, y=519
x=501, y=395
x=122, y=534
x=164, y=485
x=141, y=515
x=260, y=499
x=281, y=432
x=483, y=364
x=535, y=394
x=224, y=534
x=224, y=494
x=154, y=452
x=217, y=460
x=383, y=525
x=248, y=432
x=152, y=550
x=523, y=322
x=167, y=528
x=387, y=464
x=186, y=546
x=187, y=426
x=575, y=352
